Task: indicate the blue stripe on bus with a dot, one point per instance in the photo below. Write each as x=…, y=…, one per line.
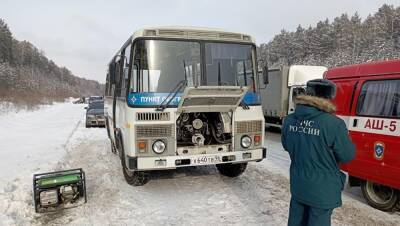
x=154, y=99
x=252, y=98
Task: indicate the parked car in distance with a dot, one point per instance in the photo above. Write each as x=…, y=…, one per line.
x=94, y=98
x=95, y=114
x=81, y=100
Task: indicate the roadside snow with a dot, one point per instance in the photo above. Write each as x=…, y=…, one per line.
x=31, y=142
x=7, y=107
x=186, y=196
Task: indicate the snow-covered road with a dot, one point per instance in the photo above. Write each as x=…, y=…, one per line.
x=55, y=138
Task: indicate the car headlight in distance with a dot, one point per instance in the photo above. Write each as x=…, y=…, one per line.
x=245, y=141
x=159, y=146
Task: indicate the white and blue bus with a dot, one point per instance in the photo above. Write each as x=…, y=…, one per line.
x=180, y=97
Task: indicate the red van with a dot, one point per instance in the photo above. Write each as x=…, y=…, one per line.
x=368, y=100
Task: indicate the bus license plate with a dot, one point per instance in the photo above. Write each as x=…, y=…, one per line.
x=207, y=160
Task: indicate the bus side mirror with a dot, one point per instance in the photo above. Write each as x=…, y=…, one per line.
x=265, y=75
x=112, y=73
x=298, y=91
x=117, y=75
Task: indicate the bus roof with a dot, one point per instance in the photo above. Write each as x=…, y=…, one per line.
x=180, y=32
x=364, y=70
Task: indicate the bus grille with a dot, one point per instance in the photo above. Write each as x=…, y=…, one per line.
x=152, y=116
x=248, y=127
x=154, y=131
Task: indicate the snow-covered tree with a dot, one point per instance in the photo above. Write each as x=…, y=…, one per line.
x=26, y=75
x=346, y=40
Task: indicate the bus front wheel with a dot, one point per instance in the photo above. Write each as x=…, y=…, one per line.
x=135, y=178
x=379, y=196
x=231, y=170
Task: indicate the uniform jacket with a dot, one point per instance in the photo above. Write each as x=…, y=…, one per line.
x=317, y=141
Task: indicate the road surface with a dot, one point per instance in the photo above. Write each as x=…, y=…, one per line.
x=58, y=139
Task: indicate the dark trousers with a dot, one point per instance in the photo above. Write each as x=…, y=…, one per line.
x=303, y=215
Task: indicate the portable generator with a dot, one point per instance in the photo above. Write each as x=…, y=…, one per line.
x=59, y=190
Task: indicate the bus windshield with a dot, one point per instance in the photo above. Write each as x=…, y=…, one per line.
x=229, y=64
x=160, y=64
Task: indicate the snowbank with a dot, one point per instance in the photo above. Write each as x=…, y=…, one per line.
x=31, y=142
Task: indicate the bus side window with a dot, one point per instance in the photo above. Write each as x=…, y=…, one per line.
x=125, y=61
x=118, y=79
x=127, y=65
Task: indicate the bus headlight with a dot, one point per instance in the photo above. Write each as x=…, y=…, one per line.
x=159, y=146
x=245, y=141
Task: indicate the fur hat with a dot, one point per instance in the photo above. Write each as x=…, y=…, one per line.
x=321, y=88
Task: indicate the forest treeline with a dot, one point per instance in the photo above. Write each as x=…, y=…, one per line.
x=28, y=77
x=345, y=40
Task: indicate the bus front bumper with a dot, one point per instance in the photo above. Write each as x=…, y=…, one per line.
x=172, y=162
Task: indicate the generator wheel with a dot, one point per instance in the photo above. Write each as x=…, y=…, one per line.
x=379, y=196
x=231, y=170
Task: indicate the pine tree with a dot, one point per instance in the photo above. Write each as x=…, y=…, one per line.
x=347, y=40
x=5, y=43
x=27, y=75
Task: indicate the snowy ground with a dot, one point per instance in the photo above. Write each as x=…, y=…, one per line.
x=55, y=138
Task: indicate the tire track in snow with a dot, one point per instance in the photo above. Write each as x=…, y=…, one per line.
x=66, y=146
x=71, y=134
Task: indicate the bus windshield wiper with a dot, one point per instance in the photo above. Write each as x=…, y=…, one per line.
x=219, y=73
x=220, y=81
x=181, y=84
x=184, y=69
x=243, y=103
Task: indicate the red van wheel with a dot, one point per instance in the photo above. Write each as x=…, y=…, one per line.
x=379, y=196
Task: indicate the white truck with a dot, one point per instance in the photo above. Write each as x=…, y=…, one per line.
x=282, y=85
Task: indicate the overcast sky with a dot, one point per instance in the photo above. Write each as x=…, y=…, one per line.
x=83, y=35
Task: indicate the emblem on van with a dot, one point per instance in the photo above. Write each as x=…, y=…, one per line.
x=379, y=150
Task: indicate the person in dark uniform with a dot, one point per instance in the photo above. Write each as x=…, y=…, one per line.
x=317, y=141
